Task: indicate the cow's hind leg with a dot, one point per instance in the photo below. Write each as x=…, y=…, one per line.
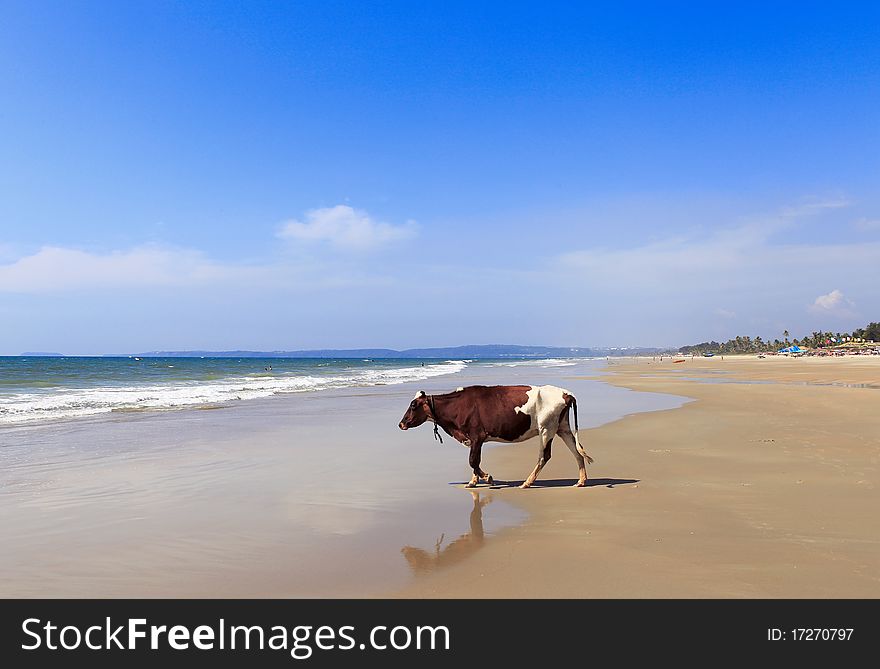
x=474, y=461
x=566, y=435
x=543, y=457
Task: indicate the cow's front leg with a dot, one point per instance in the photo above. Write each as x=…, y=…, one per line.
x=474, y=461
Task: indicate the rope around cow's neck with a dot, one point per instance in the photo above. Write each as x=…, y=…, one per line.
x=434, y=416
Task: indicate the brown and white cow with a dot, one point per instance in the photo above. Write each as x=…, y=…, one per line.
x=477, y=414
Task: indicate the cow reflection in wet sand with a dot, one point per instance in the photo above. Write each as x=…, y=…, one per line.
x=424, y=562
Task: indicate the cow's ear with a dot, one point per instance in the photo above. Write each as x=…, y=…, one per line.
x=421, y=393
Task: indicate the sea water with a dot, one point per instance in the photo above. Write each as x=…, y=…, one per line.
x=51, y=388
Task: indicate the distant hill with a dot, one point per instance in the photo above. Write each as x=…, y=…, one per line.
x=41, y=354
x=473, y=352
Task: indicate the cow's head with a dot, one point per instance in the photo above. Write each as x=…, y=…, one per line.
x=417, y=413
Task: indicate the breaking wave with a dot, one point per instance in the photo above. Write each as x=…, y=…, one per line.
x=60, y=403
x=544, y=363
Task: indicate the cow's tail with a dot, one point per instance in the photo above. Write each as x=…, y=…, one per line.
x=577, y=442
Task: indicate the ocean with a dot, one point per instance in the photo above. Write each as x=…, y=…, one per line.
x=52, y=388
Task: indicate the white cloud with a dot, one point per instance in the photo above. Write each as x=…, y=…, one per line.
x=765, y=271
x=724, y=313
x=671, y=262
x=815, y=207
x=830, y=301
x=55, y=269
x=764, y=255
x=868, y=224
x=834, y=302
x=345, y=227
x=715, y=258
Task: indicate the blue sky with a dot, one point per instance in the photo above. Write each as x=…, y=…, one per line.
x=297, y=175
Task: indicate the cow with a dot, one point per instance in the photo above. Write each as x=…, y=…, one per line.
x=477, y=414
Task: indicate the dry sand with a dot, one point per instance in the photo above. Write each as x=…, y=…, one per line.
x=765, y=486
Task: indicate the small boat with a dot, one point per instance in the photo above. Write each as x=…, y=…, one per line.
x=676, y=361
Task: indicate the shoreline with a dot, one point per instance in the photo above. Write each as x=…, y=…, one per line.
x=761, y=488
x=715, y=478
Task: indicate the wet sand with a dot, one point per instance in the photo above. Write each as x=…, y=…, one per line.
x=765, y=486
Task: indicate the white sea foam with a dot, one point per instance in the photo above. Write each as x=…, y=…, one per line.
x=81, y=402
x=545, y=363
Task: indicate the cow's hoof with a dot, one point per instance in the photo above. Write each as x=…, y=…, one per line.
x=580, y=484
x=470, y=485
x=490, y=480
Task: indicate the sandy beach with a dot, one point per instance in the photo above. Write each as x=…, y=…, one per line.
x=765, y=486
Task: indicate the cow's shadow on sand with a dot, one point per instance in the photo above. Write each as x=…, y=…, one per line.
x=553, y=483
